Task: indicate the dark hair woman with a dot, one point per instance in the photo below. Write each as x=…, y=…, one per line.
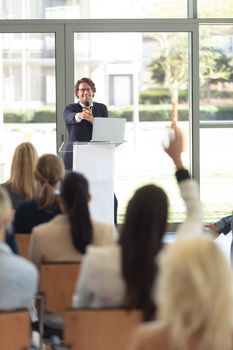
x=124, y=274
x=75, y=196
x=140, y=241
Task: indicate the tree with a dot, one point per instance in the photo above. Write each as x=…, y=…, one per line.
x=170, y=67
x=214, y=67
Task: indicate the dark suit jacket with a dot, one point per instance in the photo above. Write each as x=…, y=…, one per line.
x=81, y=131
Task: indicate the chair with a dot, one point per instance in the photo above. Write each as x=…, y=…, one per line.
x=57, y=285
x=15, y=330
x=23, y=240
x=108, y=329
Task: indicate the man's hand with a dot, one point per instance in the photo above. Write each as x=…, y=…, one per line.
x=214, y=228
x=87, y=115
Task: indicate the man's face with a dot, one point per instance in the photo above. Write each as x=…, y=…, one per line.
x=85, y=93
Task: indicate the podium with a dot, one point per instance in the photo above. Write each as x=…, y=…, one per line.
x=95, y=160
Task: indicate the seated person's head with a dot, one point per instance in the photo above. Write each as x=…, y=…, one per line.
x=73, y=200
x=74, y=188
x=146, y=218
x=5, y=211
x=141, y=240
x=22, y=177
x=49, y=172
x=49, y=168
x=194, y=294
x=25, y=157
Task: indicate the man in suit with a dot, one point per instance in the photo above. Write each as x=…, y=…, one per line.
x=79, y=116
x=79, y=119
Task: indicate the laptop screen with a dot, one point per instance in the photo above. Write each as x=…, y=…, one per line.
x=108, y=129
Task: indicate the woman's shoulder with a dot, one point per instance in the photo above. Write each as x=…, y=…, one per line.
x=16, y=198
x=104, y=233
x=102, y=227
x=50, y=226
x=105, y=252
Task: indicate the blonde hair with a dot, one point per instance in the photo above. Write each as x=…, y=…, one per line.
x=194, y=293
x=22, y=179
x=49, y=171
x=5, y=207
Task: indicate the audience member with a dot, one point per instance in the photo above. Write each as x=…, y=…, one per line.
x=49, y=172
x=221, y=226
x=22, y=184
x=18, y=276
x=124, y=274
x=194, y=298
x=66, y=237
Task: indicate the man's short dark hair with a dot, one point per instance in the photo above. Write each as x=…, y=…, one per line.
x=84, y=80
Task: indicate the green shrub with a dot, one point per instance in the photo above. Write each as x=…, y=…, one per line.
x=163, y=113
x=160, y=96
x=17, y=117
x=223, y=94
x=44, y=116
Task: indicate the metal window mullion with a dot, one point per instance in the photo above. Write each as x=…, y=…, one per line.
x=195, y=117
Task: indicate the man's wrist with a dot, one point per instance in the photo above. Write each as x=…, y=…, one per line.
x=77, y=117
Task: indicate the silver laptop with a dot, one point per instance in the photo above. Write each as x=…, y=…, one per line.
x=108, y=129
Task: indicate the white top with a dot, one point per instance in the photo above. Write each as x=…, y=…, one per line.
x=101, y=283
x=224, y=243
x=19, y=278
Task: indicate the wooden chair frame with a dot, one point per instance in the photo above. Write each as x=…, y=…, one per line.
x=23, y=241
x=15, y=330
x=99, y=329
x=57, y=285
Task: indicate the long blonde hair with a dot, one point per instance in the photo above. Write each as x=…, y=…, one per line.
x=194, y=294
x=5, y=207
x=22, y=179
x=49, y=171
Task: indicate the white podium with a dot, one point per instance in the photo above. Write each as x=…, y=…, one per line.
x=95, y=160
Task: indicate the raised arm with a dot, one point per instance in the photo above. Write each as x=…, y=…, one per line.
x=188, y=188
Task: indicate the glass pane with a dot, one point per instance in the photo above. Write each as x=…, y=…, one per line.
x=27, y=90
x=216, y=172
x=215, y=9
x=85, y=9
x=216, y=72
x=143, y=78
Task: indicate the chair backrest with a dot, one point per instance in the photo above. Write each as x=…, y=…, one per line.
x=100, y=329
x=23, y=240
x=57, y=284
x=15, y=330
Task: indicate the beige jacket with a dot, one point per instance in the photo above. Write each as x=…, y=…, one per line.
x=52, y=241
